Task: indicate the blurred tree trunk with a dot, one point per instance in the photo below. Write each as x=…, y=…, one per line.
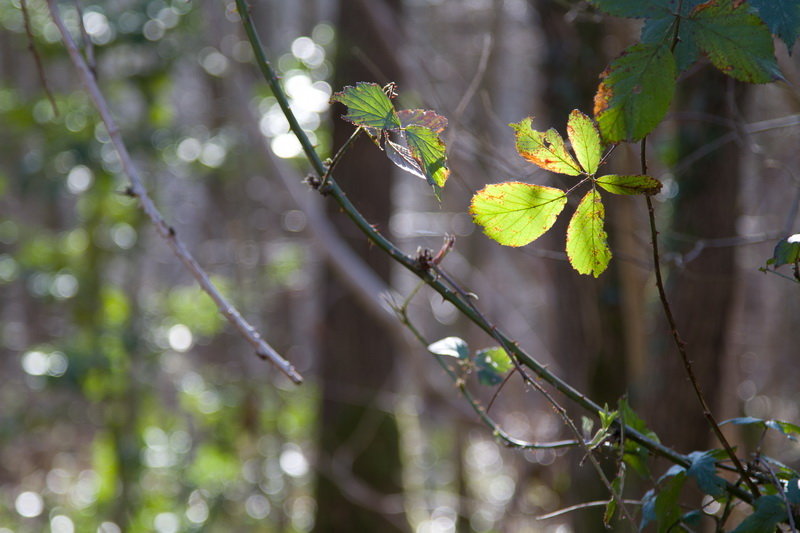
x=588, y=334
x=701, y=291
x=358, y=436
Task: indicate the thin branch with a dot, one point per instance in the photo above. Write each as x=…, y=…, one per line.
x=424, y=272
x=580, y=506
x=779, y=486
x=26, y=18
x=681, y=345
x=137, y=189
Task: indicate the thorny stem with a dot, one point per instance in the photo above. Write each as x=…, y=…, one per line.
x=424, y=272
x=137, y=189
x=681, y=345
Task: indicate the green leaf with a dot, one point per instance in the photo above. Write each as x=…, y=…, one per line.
x=635, y=92
x=492, y=363
x=735, y=40
x=544, y=149
x=422, y=117
x=429, y=150
x=585, y=141
x=635, y=455
x=657, y=31
x=782, y=17
x=787, y=251
x=769, y=512
x=786, y=428
x=450, y=346
x=368, y=106
x=629, y=184
x=703, y=469
x=516, y=213
x=667, y=510
x=617, y=486
x=587, y=249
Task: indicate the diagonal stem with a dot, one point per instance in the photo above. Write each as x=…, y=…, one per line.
x=681, y=345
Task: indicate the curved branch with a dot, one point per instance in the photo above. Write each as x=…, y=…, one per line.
x=167, y=232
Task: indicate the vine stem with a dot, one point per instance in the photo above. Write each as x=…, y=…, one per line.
x=423, y=270
x=167, y=232
x=680, y=344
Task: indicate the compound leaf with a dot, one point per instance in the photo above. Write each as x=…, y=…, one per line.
x=769, y=512
x=450, y=346
x=492, y=363
x=429, y=150
x=585, y=141
x=629, y=184
x=516, y=213
x=735, y=40
x=635, y=93
x=544, y=149
x=368, y=106
x=788, y=429
x=587, y=249
x=782, y=17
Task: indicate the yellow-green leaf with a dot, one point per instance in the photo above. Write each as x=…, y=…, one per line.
x=585, y=141
x=516, y=213
x=429, y=150
x=587, y=249
x=368, y=106
x=544, y=149
x=629, y=184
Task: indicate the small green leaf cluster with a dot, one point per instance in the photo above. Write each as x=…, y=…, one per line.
x=417, y=147
x=516, y=213
x=735, y=36
x=491, y=363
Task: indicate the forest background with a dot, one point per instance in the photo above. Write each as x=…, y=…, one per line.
x=128, y=403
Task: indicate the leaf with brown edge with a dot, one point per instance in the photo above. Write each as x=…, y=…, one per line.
x=629, y=184
x=544, y=149
x=422, y=117
x=368, y=107
x=516, y=213
x=585, y=141
x=587, y=248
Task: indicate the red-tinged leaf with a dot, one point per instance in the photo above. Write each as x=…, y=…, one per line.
x=629, y=184
x=422, y=117
x=544, y=149
x=516, y=213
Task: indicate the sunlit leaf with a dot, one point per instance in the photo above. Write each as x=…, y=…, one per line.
x=401, y=156
x=422, y=117
x=587, y=249
x=635, y=93
x=368, y=106
x=545, y=149
x=492, y=363
x=735, y=40
x=450, y=346
x=585, y=141
x=429, y=150
x=781, y=16
x=629, y=184
x=516, y=213
x=769, y=511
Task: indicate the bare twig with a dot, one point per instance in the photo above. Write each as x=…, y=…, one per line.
x=681, y=345
x=580, y=506
x=137, y=189
x=26, y=18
